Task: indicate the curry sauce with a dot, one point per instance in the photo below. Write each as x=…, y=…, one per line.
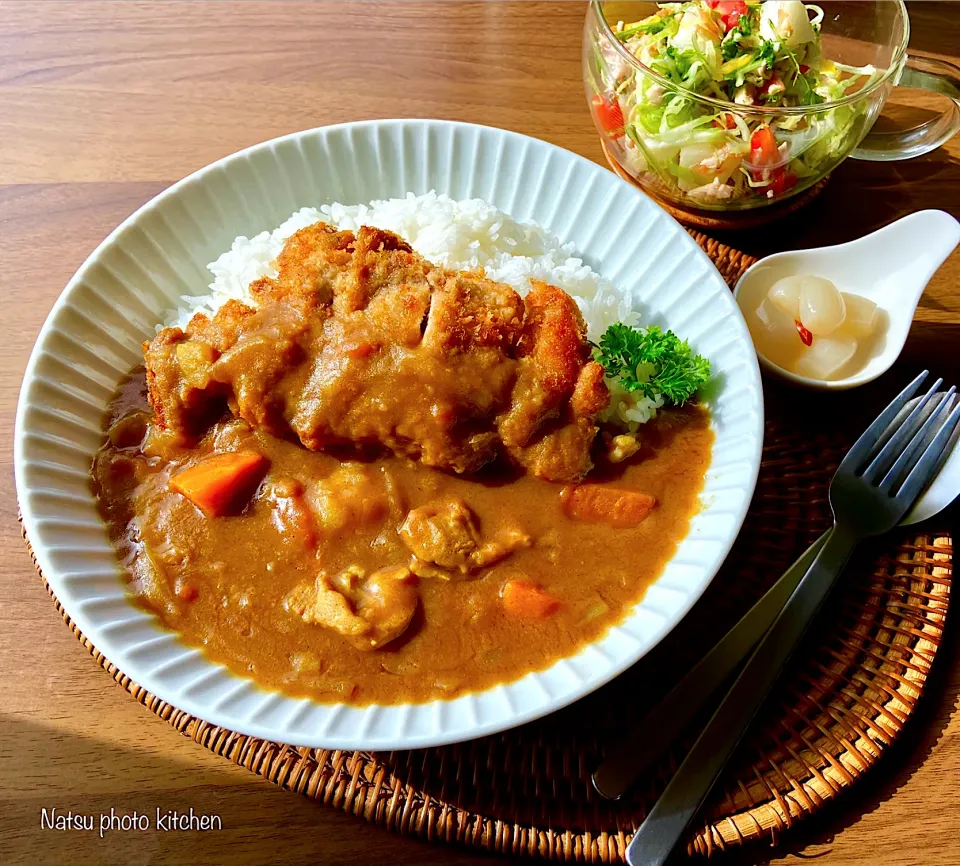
x=226, y=583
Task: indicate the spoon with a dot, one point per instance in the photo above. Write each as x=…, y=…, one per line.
x=627, y=759
x=891, y=267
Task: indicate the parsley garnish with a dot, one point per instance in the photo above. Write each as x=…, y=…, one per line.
x=652, y=361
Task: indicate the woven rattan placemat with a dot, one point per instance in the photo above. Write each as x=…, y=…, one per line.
x=844, y=699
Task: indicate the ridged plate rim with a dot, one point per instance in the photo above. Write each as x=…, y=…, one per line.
x=55, y=515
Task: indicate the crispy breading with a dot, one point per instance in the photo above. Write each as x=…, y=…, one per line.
x=311, y=264
x=590, y=394
x=554, y=336
x=553, y=352
x=469, y=310
x=361, y=342
x=223, y=330
x=390, y=284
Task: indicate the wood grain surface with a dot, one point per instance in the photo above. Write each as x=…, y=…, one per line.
x=102, y=105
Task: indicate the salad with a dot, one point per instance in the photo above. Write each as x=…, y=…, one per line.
x=742, y=56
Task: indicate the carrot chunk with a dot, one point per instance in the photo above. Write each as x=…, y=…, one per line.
x=187, y=592
x=221, y=482
x=597, y=503
x=524, y=599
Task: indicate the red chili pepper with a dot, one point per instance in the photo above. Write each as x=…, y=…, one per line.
x=609, y=115
x=805, y=336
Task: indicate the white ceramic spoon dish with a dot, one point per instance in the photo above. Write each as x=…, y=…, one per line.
x=891, y=267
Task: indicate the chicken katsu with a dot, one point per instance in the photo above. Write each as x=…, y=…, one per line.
x=381, y=480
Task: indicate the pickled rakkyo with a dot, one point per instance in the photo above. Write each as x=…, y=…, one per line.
x=805, y=325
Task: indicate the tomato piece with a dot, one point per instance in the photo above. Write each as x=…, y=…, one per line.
x=781, y=180
x=763, y=153
x=763, y=147
x=609, y=115
x=730, y=12
x=725, y=121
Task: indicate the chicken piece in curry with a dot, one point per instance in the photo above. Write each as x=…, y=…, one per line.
x=371, y=485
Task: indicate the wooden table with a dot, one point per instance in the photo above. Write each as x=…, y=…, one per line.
x=102, y=105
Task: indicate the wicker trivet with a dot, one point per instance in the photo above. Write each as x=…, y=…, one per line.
x=843, y=701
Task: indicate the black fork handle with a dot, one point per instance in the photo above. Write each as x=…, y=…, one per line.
x=667, y=822
x=649, y=739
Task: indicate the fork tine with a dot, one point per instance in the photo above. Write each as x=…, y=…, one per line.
x=919, y=443
x=878, y=467
x=951, y=444
x=866, y=443
x=928, y=438
x=921, y=474
x=897, y=422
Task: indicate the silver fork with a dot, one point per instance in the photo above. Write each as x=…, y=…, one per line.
x=645, y=743
x=868, y=495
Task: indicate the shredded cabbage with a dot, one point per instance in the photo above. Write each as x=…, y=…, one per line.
x=745, y=54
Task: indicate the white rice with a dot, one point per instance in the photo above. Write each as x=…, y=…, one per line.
x=464, y=235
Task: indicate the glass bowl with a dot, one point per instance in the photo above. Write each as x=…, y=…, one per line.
x=707, y=153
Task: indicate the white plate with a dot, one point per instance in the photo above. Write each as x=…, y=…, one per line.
x=92, y=338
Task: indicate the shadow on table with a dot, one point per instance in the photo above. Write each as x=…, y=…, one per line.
x=927, y=347
x=44, y=767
